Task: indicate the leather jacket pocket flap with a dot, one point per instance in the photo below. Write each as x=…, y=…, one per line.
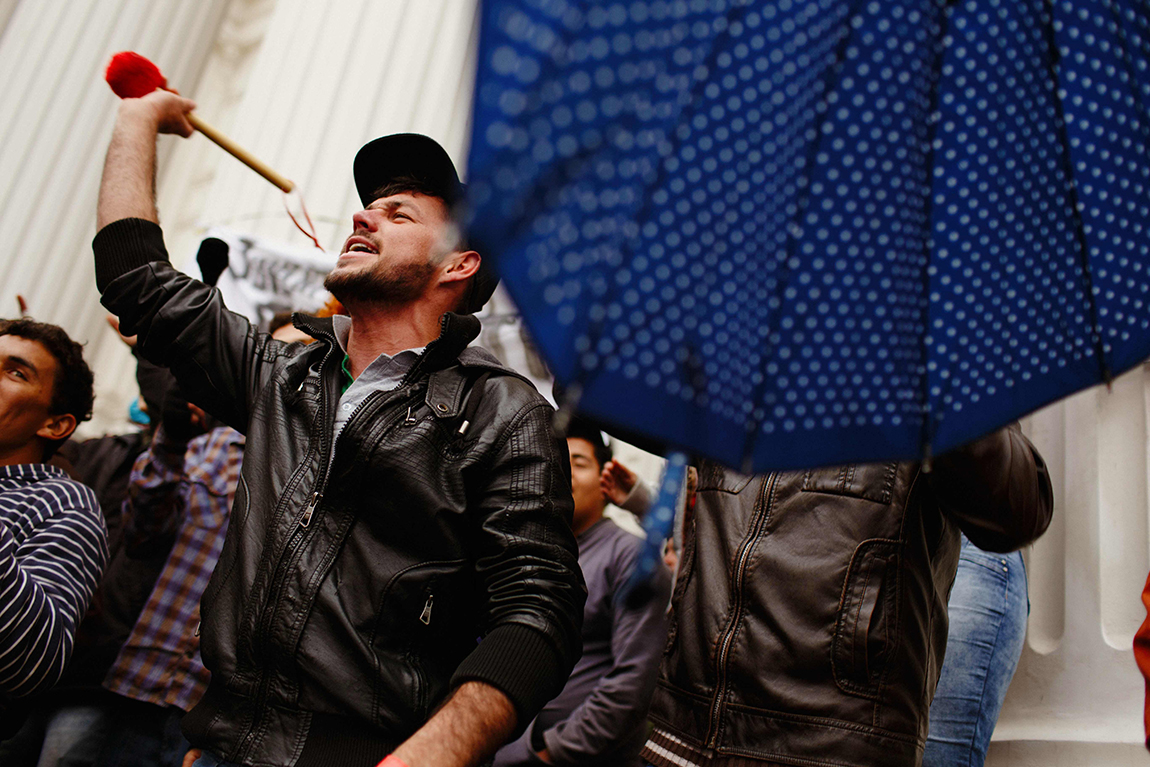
x=867, y=627
x=869, y=481
x=445, y=391
x=416, y=599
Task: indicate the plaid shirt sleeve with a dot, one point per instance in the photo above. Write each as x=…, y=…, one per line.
x=183, y=491
x=155, y=504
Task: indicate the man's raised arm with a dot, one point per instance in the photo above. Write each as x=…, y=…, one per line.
x=182, y=324
x=128, y=186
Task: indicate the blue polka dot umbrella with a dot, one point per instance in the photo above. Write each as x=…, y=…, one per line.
x=792, y=233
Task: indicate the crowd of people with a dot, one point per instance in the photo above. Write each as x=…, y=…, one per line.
x=356, y=539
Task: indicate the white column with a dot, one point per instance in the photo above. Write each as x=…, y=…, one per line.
x=1077, y=697
x=329, y=77
x=53, y=131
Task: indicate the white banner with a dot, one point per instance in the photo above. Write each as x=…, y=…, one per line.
x=263, y=278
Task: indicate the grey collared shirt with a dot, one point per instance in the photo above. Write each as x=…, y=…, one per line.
x=383, y=374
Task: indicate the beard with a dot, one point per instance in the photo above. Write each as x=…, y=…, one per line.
x=379, y=283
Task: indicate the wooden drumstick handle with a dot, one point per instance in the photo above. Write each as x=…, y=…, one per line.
x=241, y=154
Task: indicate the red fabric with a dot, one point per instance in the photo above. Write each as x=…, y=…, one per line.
x=132, y=76
x=1142, y=657
x=392, y=761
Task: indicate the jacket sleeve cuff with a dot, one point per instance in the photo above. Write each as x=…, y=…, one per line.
x=519, y=661
x=123, y=245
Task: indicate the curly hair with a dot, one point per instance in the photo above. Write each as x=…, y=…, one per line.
x=72, y=388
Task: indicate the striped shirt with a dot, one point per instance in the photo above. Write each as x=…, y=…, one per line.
x=190, y=494
x=53, y=548
x=665, y=750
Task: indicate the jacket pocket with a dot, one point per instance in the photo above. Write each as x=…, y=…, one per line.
x=866, y=632
x=418, y=637
x=869, y=481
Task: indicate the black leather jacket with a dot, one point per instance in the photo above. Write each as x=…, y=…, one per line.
x=352, y=595
x=809, y=616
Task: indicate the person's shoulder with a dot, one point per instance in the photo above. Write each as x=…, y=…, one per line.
x=476, y=360
x=45, y=494
x=70, y=494
x=42, y=479
x=624, y=544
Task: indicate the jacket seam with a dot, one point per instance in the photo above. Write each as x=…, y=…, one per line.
x=824, y=722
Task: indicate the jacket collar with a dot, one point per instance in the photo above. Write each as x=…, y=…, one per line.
x=456, y=331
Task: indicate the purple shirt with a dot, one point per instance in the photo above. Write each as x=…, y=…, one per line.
x=601, y=715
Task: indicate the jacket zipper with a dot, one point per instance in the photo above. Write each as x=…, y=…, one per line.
x=295, y=541
x=248, y=741
x=728, y=637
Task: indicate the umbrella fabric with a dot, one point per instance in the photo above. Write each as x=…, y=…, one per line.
x=783, y=234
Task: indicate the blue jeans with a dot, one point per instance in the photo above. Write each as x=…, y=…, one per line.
x=68, y=736
x=71, y=736
x=143, y=734
x=988, y=609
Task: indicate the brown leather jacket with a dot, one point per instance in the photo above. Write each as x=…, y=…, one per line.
x=809, y=618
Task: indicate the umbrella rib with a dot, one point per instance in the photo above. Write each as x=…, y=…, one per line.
x=755, y=422
x=583, y=374
x=926, y=437
x=1075, y=205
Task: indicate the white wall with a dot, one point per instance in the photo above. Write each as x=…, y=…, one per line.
x=1077, y=697
x=53, y=131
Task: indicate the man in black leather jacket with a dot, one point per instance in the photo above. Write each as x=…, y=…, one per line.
x=399, y=579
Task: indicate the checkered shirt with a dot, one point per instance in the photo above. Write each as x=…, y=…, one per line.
x=191, y=494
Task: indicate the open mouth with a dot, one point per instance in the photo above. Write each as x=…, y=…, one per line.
x=358, y=248
x=359, y=245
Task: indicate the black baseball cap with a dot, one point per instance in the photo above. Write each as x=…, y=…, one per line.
x=414, y=155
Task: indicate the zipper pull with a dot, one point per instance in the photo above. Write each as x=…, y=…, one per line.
x=305, y=520
x=197, y=631
x=310, y=372
x=425, y=616
x=410, y=418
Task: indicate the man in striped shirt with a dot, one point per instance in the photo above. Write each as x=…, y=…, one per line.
x=53, y=544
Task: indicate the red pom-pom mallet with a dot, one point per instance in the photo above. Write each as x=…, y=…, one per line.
x=131, y=76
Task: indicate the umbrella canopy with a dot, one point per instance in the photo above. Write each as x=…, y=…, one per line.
x=784, y=234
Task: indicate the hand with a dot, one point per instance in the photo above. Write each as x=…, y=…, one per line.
x=616, y=482
x=543, y=756
x=181, y=419
x=114, y=321
x=166, y=109
x=191, y=757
